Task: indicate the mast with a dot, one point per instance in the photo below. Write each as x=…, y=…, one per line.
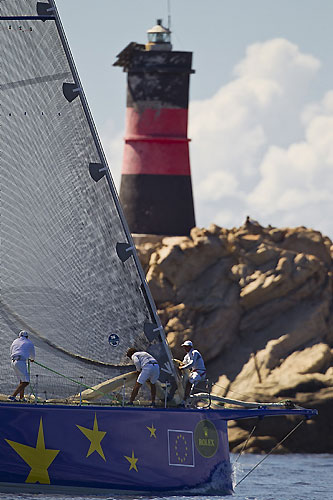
x=155, y=329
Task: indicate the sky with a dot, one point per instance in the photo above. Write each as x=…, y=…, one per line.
x=261, y=99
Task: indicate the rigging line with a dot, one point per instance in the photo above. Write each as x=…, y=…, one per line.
x=71, y=379
x=282, y=401
x=245, y=443
x=276, y=446
x=229, y=390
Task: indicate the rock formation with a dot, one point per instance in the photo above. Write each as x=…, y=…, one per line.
x=257, y=302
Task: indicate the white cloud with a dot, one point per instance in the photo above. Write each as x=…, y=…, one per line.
x=225, y=180
x=260, y=149
x=278, y=60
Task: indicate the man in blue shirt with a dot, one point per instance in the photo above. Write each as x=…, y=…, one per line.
x=193, y=361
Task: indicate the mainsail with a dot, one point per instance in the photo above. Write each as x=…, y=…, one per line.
x=69, y=270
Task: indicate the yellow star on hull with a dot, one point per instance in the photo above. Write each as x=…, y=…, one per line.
x=95, y=437
x=152, y=430
x=39, y=458
x=132, y=460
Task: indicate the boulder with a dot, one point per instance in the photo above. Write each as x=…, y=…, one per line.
x=258, y=303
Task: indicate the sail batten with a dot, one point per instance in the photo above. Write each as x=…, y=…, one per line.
x=26, y=18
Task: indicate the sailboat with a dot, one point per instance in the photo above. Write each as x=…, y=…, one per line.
x=70, y=275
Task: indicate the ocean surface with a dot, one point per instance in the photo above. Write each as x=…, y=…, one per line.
x=279, y=477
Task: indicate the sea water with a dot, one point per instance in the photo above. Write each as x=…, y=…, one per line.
x=280, y=477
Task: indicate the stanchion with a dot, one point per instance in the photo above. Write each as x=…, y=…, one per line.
x=36, y=390
x=167, y=384
x=81, y=378
x=124, y=380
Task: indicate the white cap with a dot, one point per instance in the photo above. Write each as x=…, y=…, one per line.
x=188, y=342
x=23, y=333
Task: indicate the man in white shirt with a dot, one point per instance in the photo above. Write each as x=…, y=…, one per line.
x=148, y=370
x=193, y=361
x=21, y=350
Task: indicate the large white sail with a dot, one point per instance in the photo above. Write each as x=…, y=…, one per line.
x=61, y=224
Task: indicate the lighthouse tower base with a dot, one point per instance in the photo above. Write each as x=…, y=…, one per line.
x=163, y=204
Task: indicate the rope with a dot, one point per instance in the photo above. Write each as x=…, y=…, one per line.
x=229, y=390
x=70, y=379
x=276, y=446
x=243, y=395
x=245, y=444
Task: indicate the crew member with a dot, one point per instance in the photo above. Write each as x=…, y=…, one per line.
x=21, y=350
x=148, y=371
x=193, y=361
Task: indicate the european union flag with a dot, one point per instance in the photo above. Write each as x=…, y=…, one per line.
x=180, y=446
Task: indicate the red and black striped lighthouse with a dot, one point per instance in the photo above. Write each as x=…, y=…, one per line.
x=156, y=189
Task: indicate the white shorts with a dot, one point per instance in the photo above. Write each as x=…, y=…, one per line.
x=196, y=377
x=21, y=371
x=149, y=372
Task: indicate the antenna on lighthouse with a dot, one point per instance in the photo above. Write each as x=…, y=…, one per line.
x=169, y=15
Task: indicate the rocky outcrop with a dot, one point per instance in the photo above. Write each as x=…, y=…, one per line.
x=257, y=302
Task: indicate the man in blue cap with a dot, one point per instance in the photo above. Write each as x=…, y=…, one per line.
x=193, y=361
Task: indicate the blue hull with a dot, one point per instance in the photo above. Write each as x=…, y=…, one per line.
x=103, y=449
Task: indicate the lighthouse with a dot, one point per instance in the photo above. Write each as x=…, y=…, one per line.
x=156, y=189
